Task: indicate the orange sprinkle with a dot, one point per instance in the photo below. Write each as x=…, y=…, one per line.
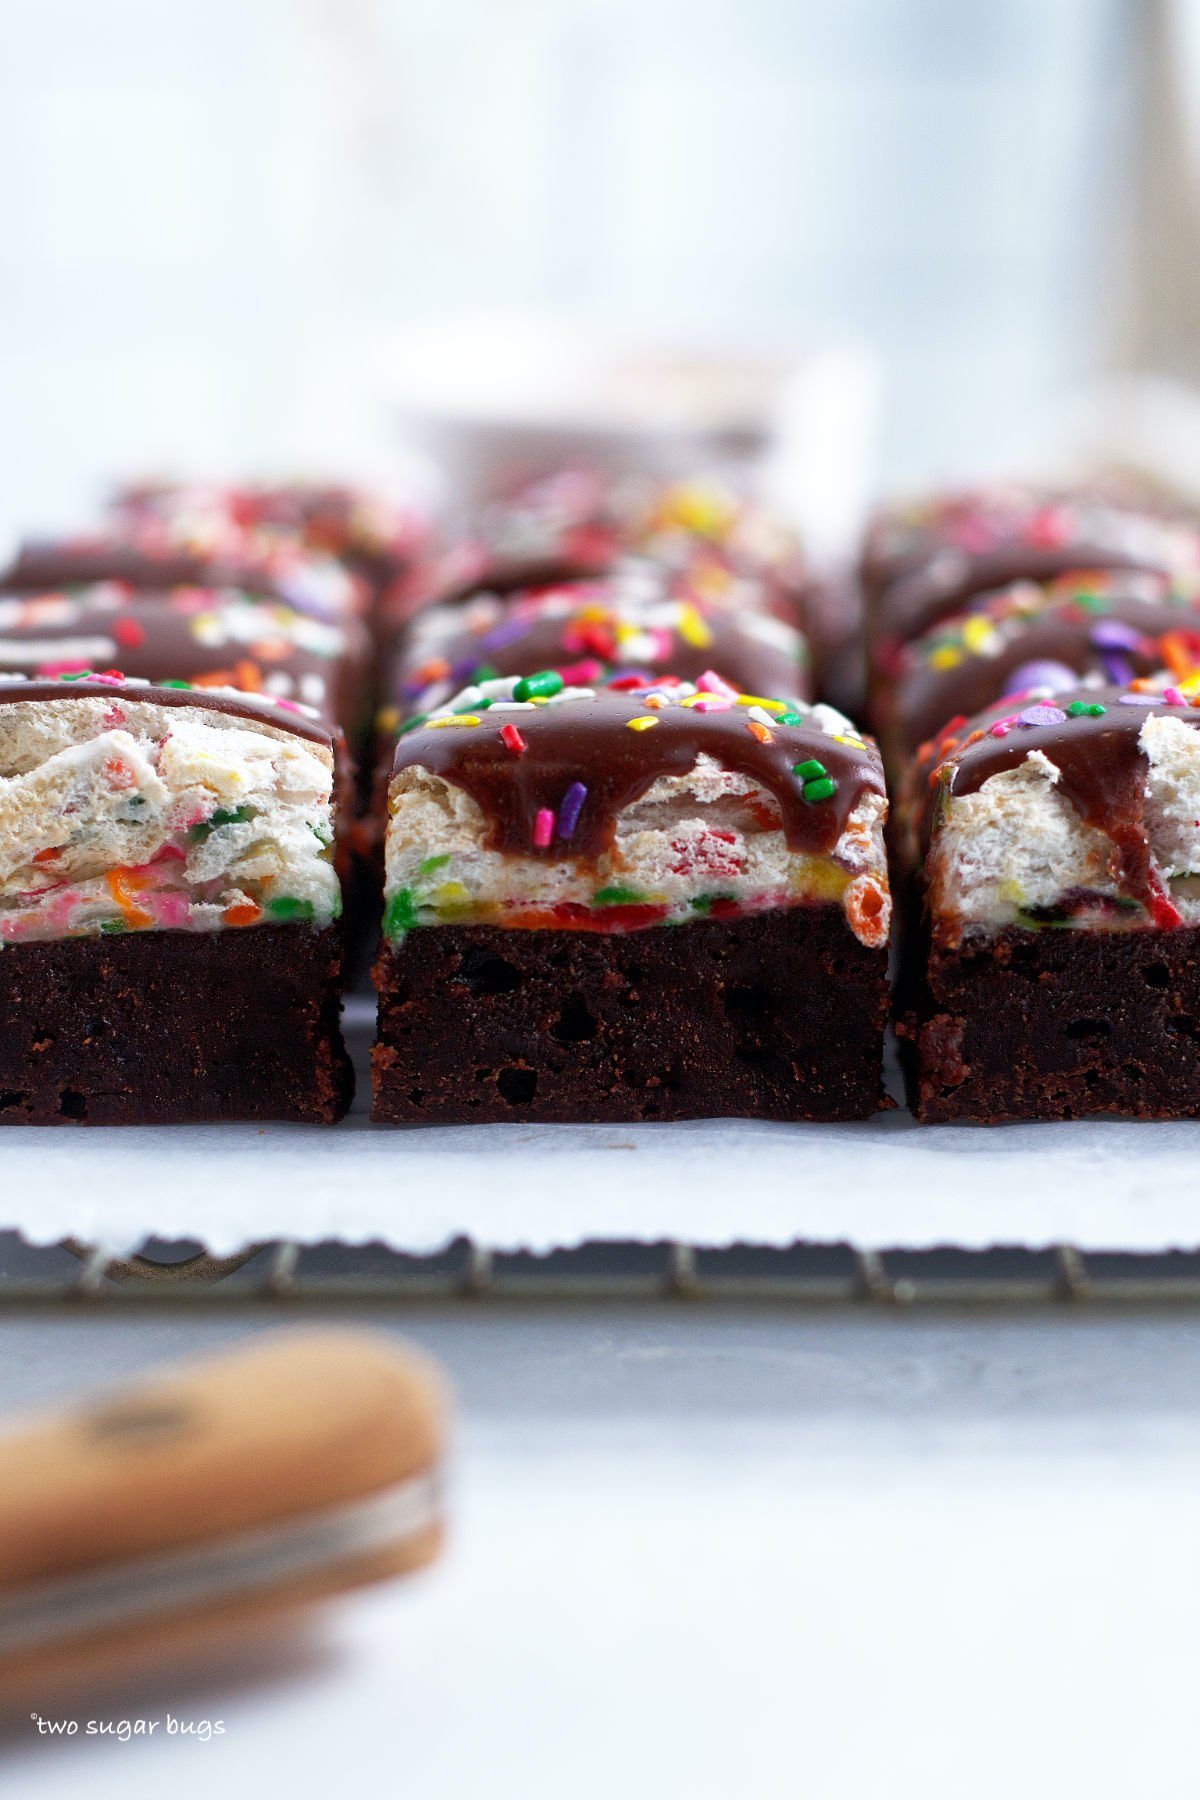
x=759, y=731
x=123, y=885
x=245, y=913
x=866, y=912
x=44, y=856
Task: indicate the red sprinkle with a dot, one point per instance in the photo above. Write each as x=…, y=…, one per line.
x=129, y=634
x=512, y=738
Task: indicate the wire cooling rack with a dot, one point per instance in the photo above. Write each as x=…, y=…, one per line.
x=172, y=1274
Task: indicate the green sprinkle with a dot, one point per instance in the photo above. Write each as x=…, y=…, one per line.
x=1079, y=709
x=223, y=816
x=433, y=862
x=789, y=718
x=111, y=926
x=541, y=686
x=485, y=672
x=822, y=789
x=322, y=834
x=412, y=724
x=80, y=675
x=178, y=684
x=400, y=915
x=288, y=907
x=615, y=896
x=811, y=770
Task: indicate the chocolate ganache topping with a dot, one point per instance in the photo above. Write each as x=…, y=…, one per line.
x=529, y=762
x=589, y=634
x=1092, y=736
x=1118, y=627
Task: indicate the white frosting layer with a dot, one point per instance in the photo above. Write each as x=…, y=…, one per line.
x=124, y=814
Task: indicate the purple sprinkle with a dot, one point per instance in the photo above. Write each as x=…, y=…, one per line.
x=510, y=632
x=1041, y=715
x=1112, y=634
x=1053, y=675
x=1117, y=669
x=572, y=806
x=1139, y=699
x=463, y=669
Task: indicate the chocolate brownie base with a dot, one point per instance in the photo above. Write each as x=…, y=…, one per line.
x=172, y=1027
x=779, y=1016
x=1058, y=1024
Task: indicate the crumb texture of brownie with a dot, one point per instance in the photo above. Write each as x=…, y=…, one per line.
x=1057, y=1024
x=175, y=1027
x=779, y=1015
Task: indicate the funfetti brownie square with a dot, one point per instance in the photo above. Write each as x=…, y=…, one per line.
x=664, y=902
x=1052, y=966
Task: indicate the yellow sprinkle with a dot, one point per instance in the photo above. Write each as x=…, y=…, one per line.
x=453, y=719
x=693, y=629
x=945, y=657
x=772, y=706
x=855, y=743
x=977, y=634
x=642, y=723
x=389, y=718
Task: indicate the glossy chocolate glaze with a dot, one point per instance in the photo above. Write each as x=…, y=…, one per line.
x=176, y=634
x=943, y=585
x=1102, y=768
x=924, y=697
x=522, y=640
x=589, y=741
x=282, y=717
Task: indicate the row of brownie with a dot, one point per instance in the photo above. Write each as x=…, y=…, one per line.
x=144, y=830
x=1033, y=662
x=630, y=750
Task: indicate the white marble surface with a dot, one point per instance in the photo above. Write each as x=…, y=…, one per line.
x=720, y=1551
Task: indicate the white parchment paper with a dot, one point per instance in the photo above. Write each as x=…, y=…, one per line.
x=888, y=1183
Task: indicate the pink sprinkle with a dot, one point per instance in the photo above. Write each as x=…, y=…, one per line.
x=1002, y=727
x=543, y=828
x=582, y=674
x=712, y=683
x=170, y=908
x=1173, y=697
x=713, y=705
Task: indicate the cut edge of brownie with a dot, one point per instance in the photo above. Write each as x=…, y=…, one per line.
x=776, y=1015
x=1056, y=1023
x=174, y=1027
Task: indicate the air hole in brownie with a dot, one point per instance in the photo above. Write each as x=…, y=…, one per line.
x=1156, y=975
x=1184, y=1028
x=517, y=1086
x=575, y=1024
x=489, y=974
x=72, y=1104
x=751, y=1002
x=10, y=1098
x=416, y=1096
x=1088, y=1028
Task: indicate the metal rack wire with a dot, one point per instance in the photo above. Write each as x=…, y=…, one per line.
x=285, y=1273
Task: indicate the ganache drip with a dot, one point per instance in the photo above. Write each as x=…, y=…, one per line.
x=589, y=741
